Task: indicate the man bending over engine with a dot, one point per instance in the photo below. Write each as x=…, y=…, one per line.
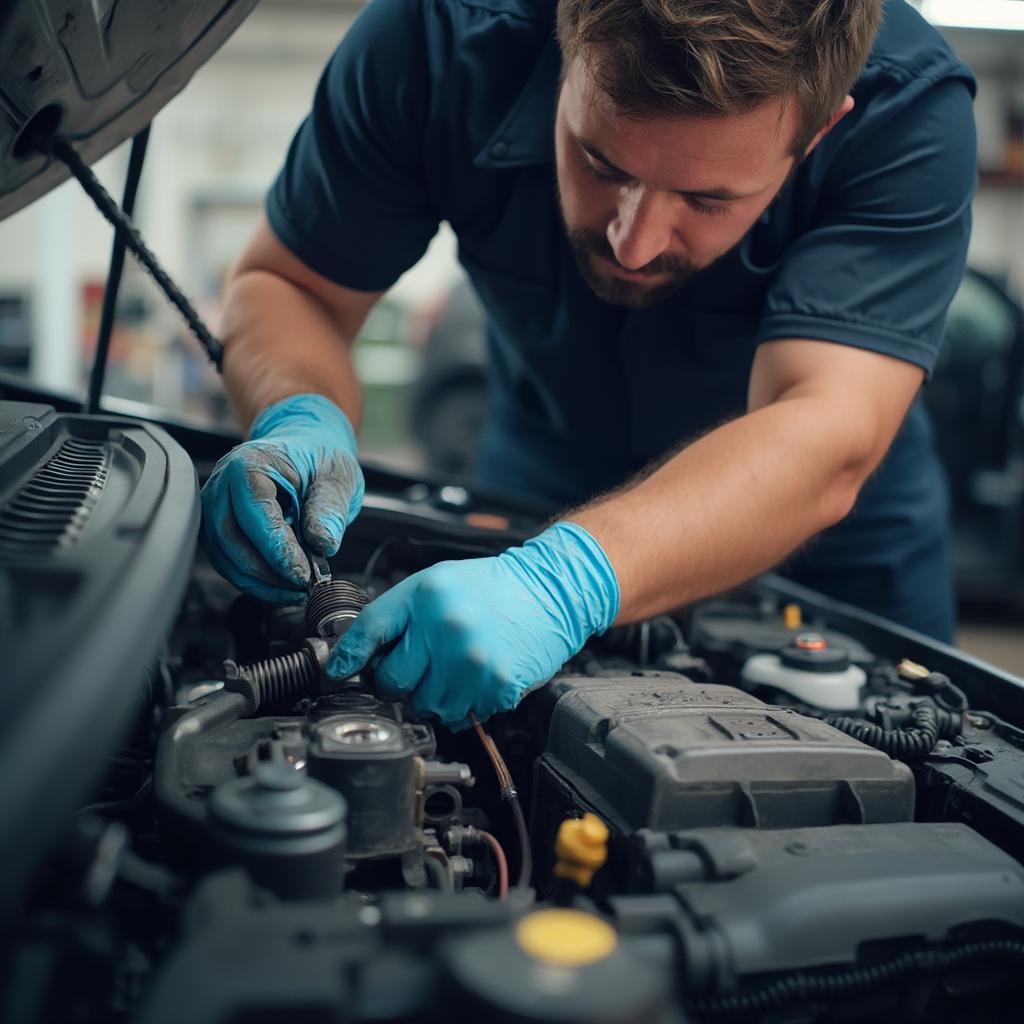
x=715, y=241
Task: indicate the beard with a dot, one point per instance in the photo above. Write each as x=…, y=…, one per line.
x=592, y=251
x=596, y=262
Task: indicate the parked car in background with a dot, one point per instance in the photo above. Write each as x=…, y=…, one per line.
x=448, y=402
x=976, y=397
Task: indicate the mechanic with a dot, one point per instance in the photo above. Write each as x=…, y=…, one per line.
x=715, y=242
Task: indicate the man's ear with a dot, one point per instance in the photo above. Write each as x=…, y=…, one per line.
x=844, y=108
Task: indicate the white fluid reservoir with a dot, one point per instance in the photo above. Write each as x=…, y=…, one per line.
x=812, y=671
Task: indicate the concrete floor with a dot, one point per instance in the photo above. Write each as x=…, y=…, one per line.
x=1001, y=644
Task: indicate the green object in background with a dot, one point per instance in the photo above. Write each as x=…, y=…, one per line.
x=387, y=365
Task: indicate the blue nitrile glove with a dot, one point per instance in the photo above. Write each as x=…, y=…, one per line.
x=296, y=479
x=477, y=635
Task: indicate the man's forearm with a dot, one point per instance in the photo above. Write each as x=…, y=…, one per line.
x=726, y=508
x=280, y=341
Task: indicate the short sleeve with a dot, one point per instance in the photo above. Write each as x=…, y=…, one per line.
x=885, y=252
x=351, y=200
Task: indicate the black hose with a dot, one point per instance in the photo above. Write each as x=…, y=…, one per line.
x=131, y=186
x=525, y=853
x=950, y=723
x=279, y=681
x=123, y=226
x=288, y=677
x=852, y=981
x=910, y=744
x=951, y=697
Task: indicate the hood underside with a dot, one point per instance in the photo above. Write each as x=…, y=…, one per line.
x=93, y=73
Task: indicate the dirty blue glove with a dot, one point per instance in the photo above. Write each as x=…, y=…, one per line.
x=477, y=635
x=296, y=479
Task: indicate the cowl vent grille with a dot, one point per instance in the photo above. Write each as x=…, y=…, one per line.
x=51, y=510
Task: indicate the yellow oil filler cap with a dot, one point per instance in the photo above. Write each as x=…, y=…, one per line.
x=565, y=938
x=792, y=616
x=581, y=848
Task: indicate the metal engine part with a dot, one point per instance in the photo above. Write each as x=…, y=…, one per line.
x=369, y=760
x=333, y=604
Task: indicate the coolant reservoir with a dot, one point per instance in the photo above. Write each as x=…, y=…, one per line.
x=812, y=670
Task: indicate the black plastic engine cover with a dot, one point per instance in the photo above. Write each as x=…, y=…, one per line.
x=758, y=902
x=662, y=752
x=98, y=522
x=979, y=782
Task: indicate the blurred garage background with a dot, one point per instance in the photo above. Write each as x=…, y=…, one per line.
x=214, y=150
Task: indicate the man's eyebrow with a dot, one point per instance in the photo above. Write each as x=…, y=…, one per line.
x=722, y=195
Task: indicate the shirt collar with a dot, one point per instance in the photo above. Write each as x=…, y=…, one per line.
x=526, y=134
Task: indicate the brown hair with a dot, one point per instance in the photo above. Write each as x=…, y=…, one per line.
x=708, y=57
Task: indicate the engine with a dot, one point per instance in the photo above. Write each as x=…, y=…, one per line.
x=764, y=807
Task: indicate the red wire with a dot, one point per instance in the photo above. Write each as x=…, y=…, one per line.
x=504, y=778
x=502, y=861
x=508, y=792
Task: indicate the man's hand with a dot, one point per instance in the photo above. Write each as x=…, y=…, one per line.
x=477, y=635
x=299, y=468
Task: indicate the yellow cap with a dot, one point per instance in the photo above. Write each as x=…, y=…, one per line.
x=792, y=616
x=581, y=848
x=565, y=938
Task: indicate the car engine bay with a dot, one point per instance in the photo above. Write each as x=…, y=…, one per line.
x=767, y=806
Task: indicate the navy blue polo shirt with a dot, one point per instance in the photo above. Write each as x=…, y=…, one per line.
x=436, y=110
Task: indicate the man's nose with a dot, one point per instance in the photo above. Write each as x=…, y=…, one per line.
x=639, y=232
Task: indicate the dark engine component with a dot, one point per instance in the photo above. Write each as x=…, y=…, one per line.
x=650, y=751
x=270, y=843
x=728, y=633
x=369, y=760
x=281, y=681
x=751, y=903
x=286, y=830
x=911, y=743
x=409, y=957
x=592, y=976
x=979, y=781
x=98, y=519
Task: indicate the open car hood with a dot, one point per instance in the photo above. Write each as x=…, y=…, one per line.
x=93, y=73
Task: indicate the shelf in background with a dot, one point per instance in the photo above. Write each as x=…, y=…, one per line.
x=994, y=177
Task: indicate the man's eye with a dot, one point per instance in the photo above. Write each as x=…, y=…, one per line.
x=603, y=172
x=705, y=209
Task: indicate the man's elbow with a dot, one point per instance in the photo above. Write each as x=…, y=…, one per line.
x=862, y=456
x=838, y=501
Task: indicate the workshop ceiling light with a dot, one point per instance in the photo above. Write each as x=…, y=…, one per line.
x=1006, y=15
